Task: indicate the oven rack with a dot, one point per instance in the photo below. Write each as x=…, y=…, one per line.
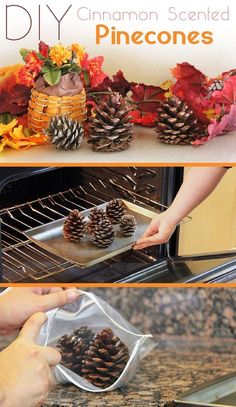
x=22, y=259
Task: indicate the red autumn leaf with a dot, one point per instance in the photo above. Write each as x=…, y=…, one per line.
x=192, y=86
x=118, y=83
x=227, y=95
x=15, y=101
x=147, y=97
x=226, y=125
x=146, y=120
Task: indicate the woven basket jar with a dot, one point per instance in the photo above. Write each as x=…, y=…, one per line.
x=43, y=107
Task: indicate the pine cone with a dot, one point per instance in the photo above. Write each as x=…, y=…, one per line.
x=72, y=348
x=115, y=210
x=95, y=216
x=111, y=129
x=66, y=133
x=74, y=226
x=177, y=124
x=105, y=359
x=103, y=234
x=128, y=225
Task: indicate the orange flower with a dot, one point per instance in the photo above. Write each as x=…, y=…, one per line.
x=78, y=50
x=94, y=68
x=60, y=55
x=26, y=77
x=33, y=63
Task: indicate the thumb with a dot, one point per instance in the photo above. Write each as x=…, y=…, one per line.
x=152, y=228
x=33, y=325
x=57, y=299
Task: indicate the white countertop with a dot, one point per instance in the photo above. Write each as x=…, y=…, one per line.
x=145, y=148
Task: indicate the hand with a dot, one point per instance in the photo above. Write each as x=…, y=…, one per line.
x=159, y=231
x=26, y=375
x=18, y=304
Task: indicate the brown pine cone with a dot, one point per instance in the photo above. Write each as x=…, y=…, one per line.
x=95, y=216
x=128, y=225
x=74, y=226
x=103, y=234
x=177, y=123
x=115, y=210
x=72, y=348
x=105, y=359
x=111, y=129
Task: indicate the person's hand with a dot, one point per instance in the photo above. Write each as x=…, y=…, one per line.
x=18, y=304
x=159, y=231
x=26, y=375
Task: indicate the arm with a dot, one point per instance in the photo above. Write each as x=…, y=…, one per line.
x=198, y=184
x=18, y=304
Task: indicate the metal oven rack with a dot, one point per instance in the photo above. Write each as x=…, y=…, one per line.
x=21, y=258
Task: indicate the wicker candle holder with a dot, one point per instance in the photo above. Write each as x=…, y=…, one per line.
x=43, y=107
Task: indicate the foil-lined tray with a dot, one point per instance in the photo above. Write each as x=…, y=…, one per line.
x=85, y=253
x=220, y=392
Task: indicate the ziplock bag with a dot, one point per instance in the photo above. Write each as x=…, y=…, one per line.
x=94, y=313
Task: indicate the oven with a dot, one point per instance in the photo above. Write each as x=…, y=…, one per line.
x=34, y=196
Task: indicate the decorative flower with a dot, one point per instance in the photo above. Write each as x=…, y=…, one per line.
x=60, y=54
x=94, y=68
x=43, y=49
x=78, y=50
x=26, y=77
x=33, y=63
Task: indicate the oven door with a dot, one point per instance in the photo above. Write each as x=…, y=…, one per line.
x=207, y=268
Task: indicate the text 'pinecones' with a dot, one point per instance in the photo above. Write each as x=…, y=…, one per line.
x=72, y=348
x=128, y=225
x=105, y=359
x=103, y=234
x=176, y=123
x=65, y=133
x=115, y=210
x=111, y=129
x=74, y=226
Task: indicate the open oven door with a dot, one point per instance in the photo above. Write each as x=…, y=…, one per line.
x=205, y=268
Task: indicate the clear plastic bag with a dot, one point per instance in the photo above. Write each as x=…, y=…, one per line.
x=91, y=311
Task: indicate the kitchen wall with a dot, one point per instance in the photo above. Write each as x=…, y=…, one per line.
x=213, y=225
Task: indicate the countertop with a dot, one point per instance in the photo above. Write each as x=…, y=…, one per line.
x=175, y=366
x=145, y=148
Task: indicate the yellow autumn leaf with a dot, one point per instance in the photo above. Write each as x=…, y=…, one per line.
x=2, y=145
x=5, y=128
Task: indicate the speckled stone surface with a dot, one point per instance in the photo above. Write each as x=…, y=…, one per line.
x=181, y=311
x=174, y=367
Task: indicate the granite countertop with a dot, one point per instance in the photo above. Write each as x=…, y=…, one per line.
x=172, y=368
x=145, y=148
x=175, y=366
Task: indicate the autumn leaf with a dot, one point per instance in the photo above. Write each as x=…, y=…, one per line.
x=227, y=95
x=226, y=125
x=147, y=97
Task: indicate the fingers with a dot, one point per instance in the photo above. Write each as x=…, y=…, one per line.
x=149, y=241
x=52, y=356
x=32, y=327
x=152, y=229
x=57, y=299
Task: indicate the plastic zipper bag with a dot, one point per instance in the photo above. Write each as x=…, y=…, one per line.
x=96, y=315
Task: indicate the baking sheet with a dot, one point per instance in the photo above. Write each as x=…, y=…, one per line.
x=85, y=253
x=219, y=392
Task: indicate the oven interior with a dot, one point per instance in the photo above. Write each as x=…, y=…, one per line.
x=32, y=197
